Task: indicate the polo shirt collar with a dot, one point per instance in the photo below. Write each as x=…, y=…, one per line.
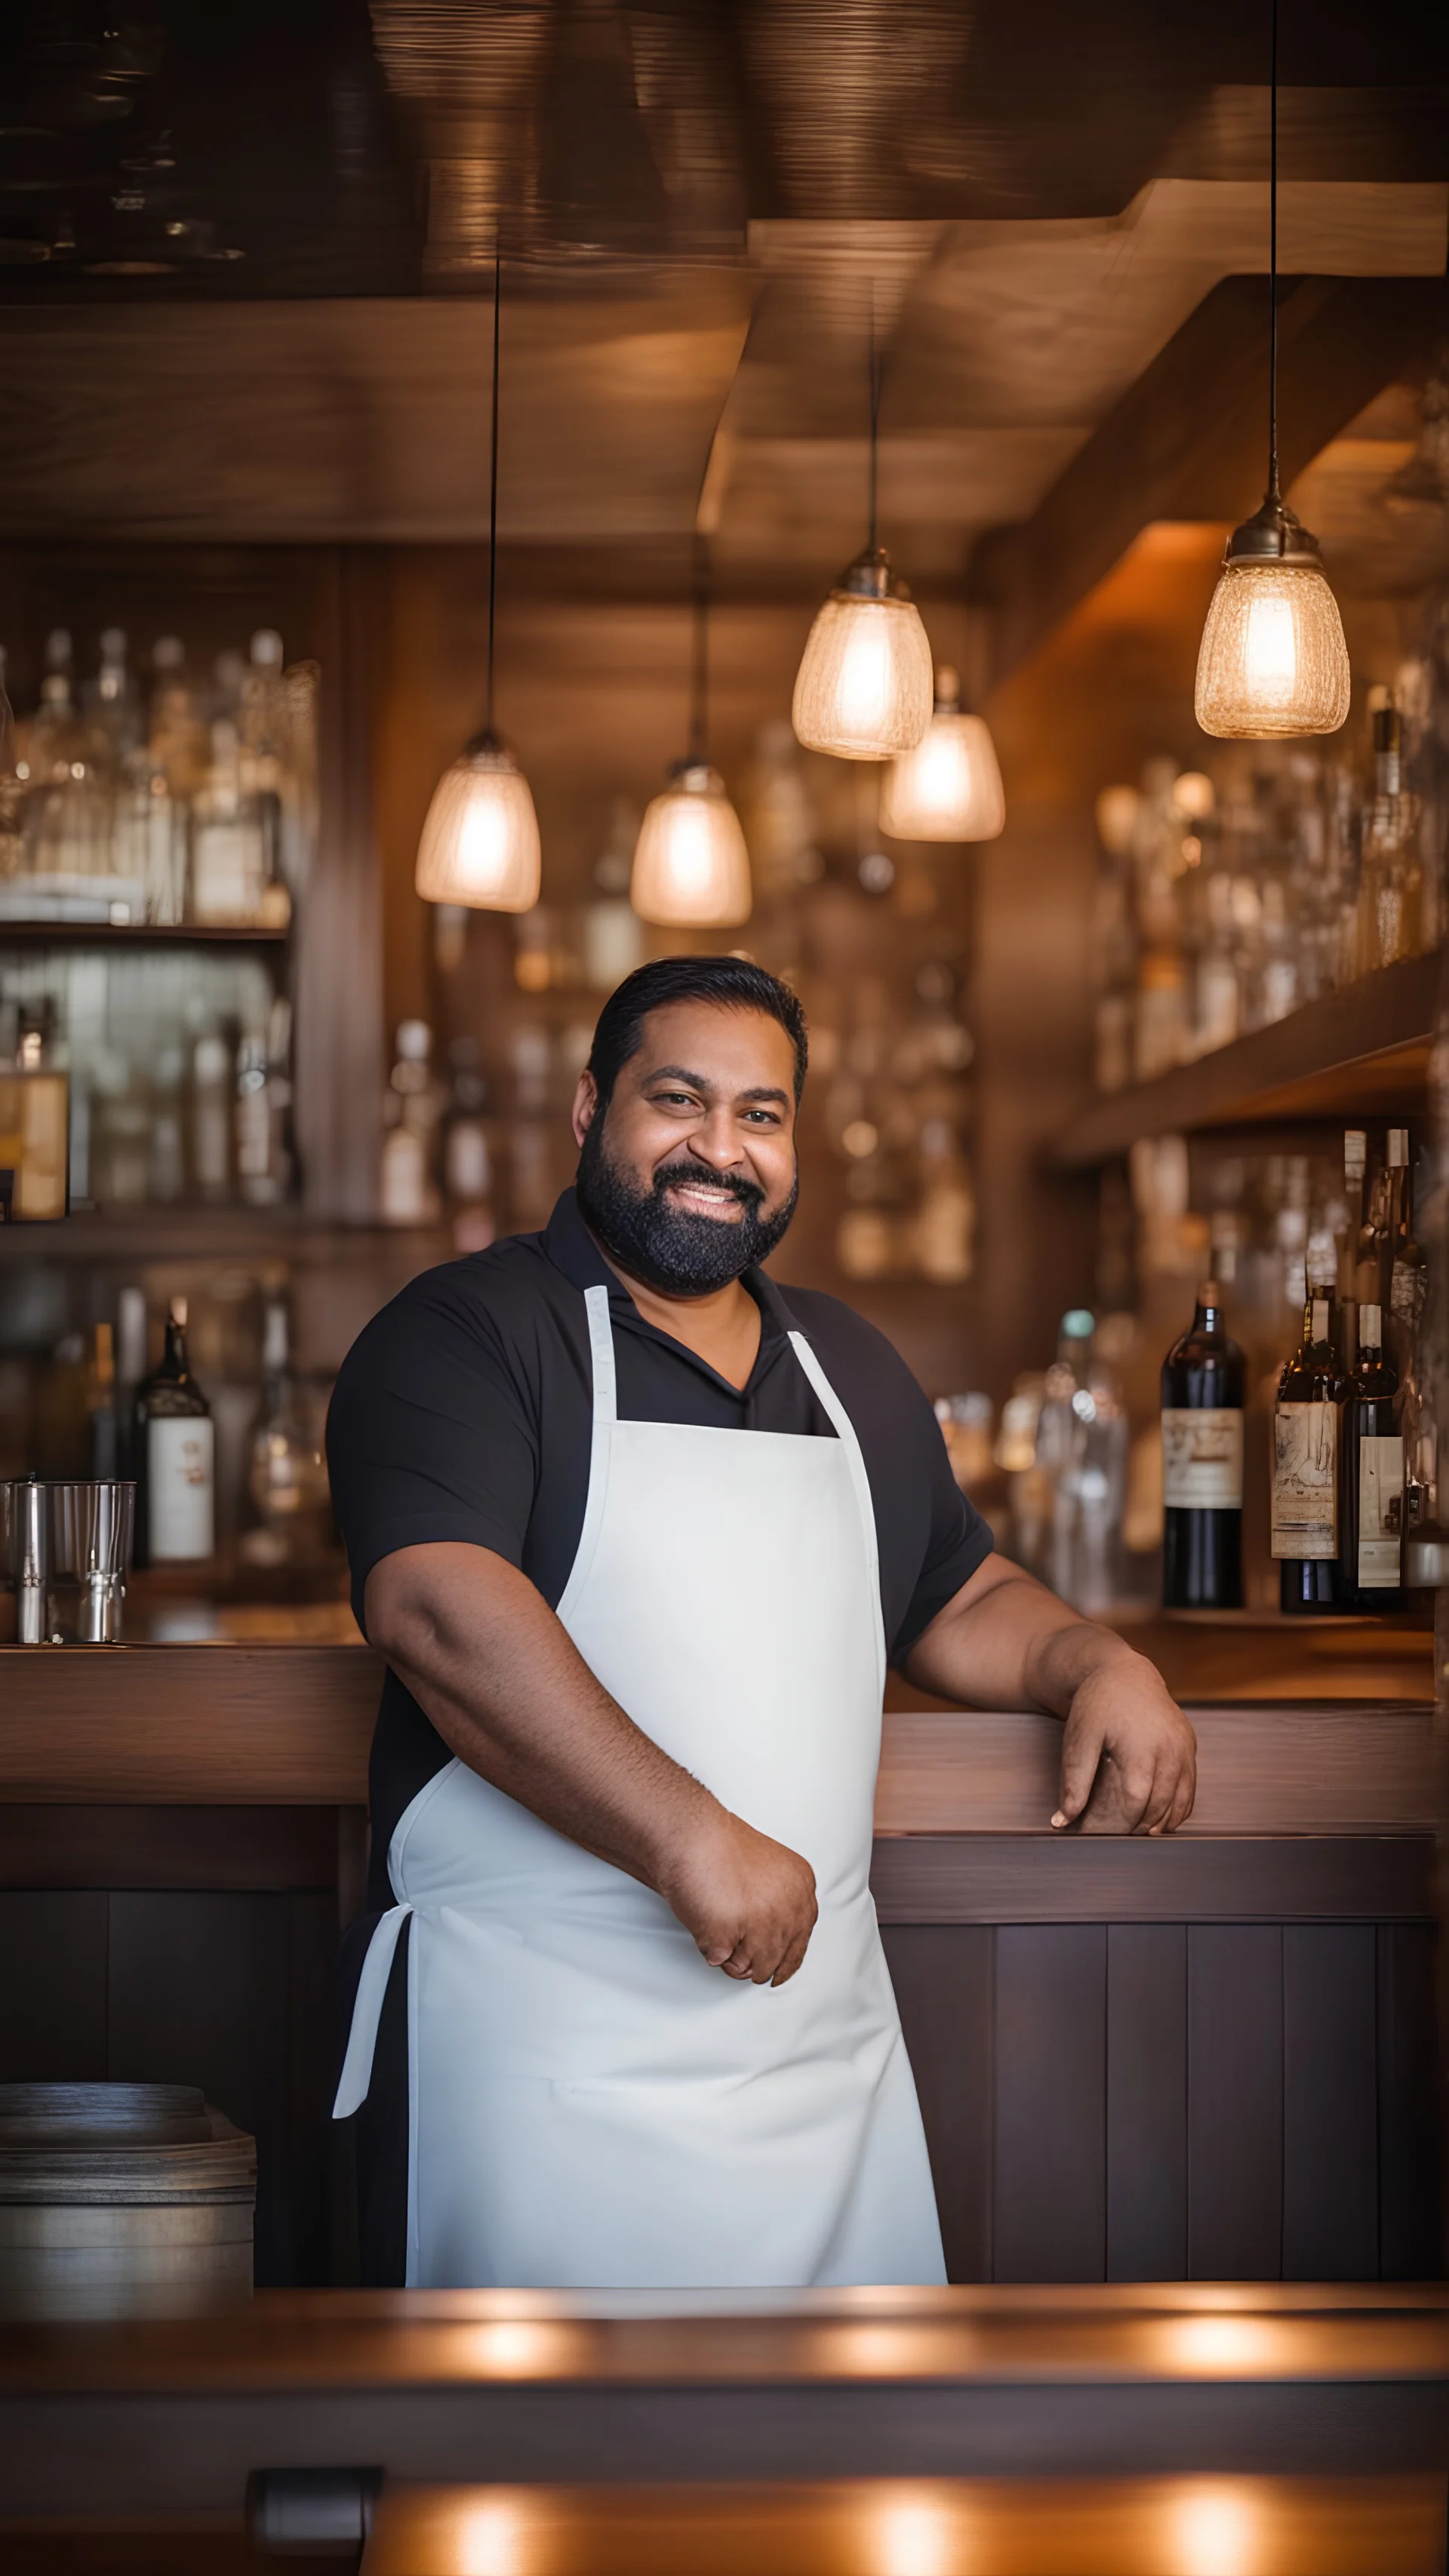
x=572, y=1249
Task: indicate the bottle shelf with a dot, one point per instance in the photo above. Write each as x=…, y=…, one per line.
x=137, y=934
x=158, y=1234
x=1360, y=1052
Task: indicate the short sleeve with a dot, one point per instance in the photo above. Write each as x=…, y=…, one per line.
x=431, y=1433
x=959, y=1541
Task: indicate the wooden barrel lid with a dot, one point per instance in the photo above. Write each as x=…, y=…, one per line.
x=106, y=2143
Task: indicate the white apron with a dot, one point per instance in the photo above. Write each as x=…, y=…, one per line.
x=591, y=2106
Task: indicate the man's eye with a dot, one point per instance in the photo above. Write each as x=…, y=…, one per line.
x=764, y=1117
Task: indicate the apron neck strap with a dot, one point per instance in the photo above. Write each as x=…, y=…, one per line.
x=601, y=1352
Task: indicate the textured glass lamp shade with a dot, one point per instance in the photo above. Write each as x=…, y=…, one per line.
x=1272, y=659
x=480, y=844
x=691, y=867
x=949, y=787
x=863, y=689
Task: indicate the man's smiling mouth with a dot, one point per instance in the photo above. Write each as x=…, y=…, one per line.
x=704, y=1200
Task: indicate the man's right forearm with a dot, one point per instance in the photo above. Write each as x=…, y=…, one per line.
x=506, y=1687
x=508, y=1691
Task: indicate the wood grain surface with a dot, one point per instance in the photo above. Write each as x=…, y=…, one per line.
x=612, y=2388
x=919, y=2527
x=291, y=1725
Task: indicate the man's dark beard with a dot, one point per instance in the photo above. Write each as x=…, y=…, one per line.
x=669, y=1248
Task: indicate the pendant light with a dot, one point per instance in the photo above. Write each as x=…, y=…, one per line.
x=949, y=787
x=691, y=867
x=863, y=689
x=479, y=843
x=1272, y=659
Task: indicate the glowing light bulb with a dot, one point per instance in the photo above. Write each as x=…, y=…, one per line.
x=949, y=787
x=863, y=689
x=480, y=842
x=1272, y=661
x=691, y=867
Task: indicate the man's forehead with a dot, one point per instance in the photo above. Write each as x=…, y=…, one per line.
x=714, y=1041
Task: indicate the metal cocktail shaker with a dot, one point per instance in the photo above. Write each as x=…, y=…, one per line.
x=89, y=1526
x=25, y=1556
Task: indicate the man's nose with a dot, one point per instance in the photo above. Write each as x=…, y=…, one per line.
x=715, y=1142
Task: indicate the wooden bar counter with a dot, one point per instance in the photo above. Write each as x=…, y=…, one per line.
x=1208, y=2057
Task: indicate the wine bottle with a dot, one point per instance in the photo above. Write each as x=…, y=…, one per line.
x=175, y=1455
x=1371, y=1501
x=1306, y=1428
x=1202, y=1464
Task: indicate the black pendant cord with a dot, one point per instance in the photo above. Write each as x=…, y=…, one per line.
x=874, y=419
x=493, y=484
x=1273, y=493
x=699, y=660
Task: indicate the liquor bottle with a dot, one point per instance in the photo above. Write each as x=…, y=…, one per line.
x=34, y=1136
x=286, y=1479
x=228, y=849
x=175, y=1458
x=1307, y=1421
x=1391, y=884
x=105, y=1428
x=1371, y=1501
x=1202, y=1464
x=1408, y=1279
x=1355, y=1185
x=211, y=1118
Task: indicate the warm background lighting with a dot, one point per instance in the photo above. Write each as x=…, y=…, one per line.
x=949, y=787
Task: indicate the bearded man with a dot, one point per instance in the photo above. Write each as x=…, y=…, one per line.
x=637, y=1531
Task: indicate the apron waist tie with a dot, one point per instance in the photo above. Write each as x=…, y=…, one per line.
x=356, y=2077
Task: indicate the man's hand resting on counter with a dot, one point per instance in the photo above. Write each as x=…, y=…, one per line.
x=1129, y=1756
x=509, y=1693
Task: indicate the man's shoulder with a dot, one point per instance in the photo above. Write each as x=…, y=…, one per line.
x=498, y=1295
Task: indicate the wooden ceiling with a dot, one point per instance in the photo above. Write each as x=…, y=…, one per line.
x=1052, y=229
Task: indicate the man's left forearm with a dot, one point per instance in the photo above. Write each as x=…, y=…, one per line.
x=1006, y=1642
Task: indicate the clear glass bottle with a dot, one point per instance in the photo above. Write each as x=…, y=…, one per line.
x=174, y=1448
x=1391, y=870
x=228, y=847
x=286, y=1478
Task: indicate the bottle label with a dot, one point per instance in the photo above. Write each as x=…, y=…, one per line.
x=180, y=1487
x=1305, y=1480
x=1380, y=1512
x=1202, y=1458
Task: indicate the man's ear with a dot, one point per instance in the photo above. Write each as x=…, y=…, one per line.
x=586, y=1106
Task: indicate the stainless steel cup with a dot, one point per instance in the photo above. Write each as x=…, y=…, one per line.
x=24, y=1554
x=89, y=1524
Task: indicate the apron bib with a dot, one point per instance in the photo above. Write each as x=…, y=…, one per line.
x=590, y=2105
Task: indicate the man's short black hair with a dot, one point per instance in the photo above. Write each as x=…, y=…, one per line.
x=732, y=983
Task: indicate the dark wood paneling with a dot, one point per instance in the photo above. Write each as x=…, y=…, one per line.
x=1330, y=2082
x=943, y=1976
x=169, y=1847
x=1041, y=1878
x=200, y=1994
x=1235, y=2102
x=1411, y=2227
x=1146, y=2101
x=53, y=1990
x=1050, y=2131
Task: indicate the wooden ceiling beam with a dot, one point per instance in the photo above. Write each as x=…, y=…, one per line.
x=1189, y=439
